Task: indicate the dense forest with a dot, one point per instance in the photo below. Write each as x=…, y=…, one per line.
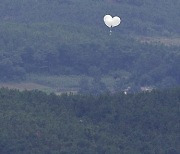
x=66, y=37
x=143, y=123
x=67, y=40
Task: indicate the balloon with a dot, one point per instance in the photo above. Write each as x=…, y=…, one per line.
x=111, y=22
x=108, y=20
x=116, y=21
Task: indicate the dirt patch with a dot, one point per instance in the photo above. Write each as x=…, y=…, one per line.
x=161, y=40
x=34, y=86
x=22, y=86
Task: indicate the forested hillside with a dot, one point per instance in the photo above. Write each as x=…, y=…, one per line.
x=34, y=122
x=143, y=17
x=64, y=44
x=67, y=37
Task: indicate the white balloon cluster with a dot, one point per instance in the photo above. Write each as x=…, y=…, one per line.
x=111, y=21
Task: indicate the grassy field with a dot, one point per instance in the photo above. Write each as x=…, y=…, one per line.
x=26, y=86
x=57, y=84
x=162, y=40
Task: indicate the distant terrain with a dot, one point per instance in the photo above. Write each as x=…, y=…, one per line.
x=69, y=87
x=69, y=38
x=160, y=40
x=54, y=84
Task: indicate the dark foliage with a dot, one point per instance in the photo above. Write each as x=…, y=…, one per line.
x=34, y=122
x=69, y=37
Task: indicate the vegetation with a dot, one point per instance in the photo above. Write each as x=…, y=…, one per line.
x=67, y=38
x=65, y=44
x=140, y=17
x=34, y=122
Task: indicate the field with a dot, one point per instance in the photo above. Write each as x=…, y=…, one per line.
x=56, y=84
x=160, y=40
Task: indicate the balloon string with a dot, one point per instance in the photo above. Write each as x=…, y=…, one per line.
x=110, y=31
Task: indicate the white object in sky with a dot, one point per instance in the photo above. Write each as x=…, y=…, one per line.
x=111, y=21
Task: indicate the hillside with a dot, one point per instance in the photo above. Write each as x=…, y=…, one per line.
x=139, y=17
x=34, y=122
x=66, y=37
